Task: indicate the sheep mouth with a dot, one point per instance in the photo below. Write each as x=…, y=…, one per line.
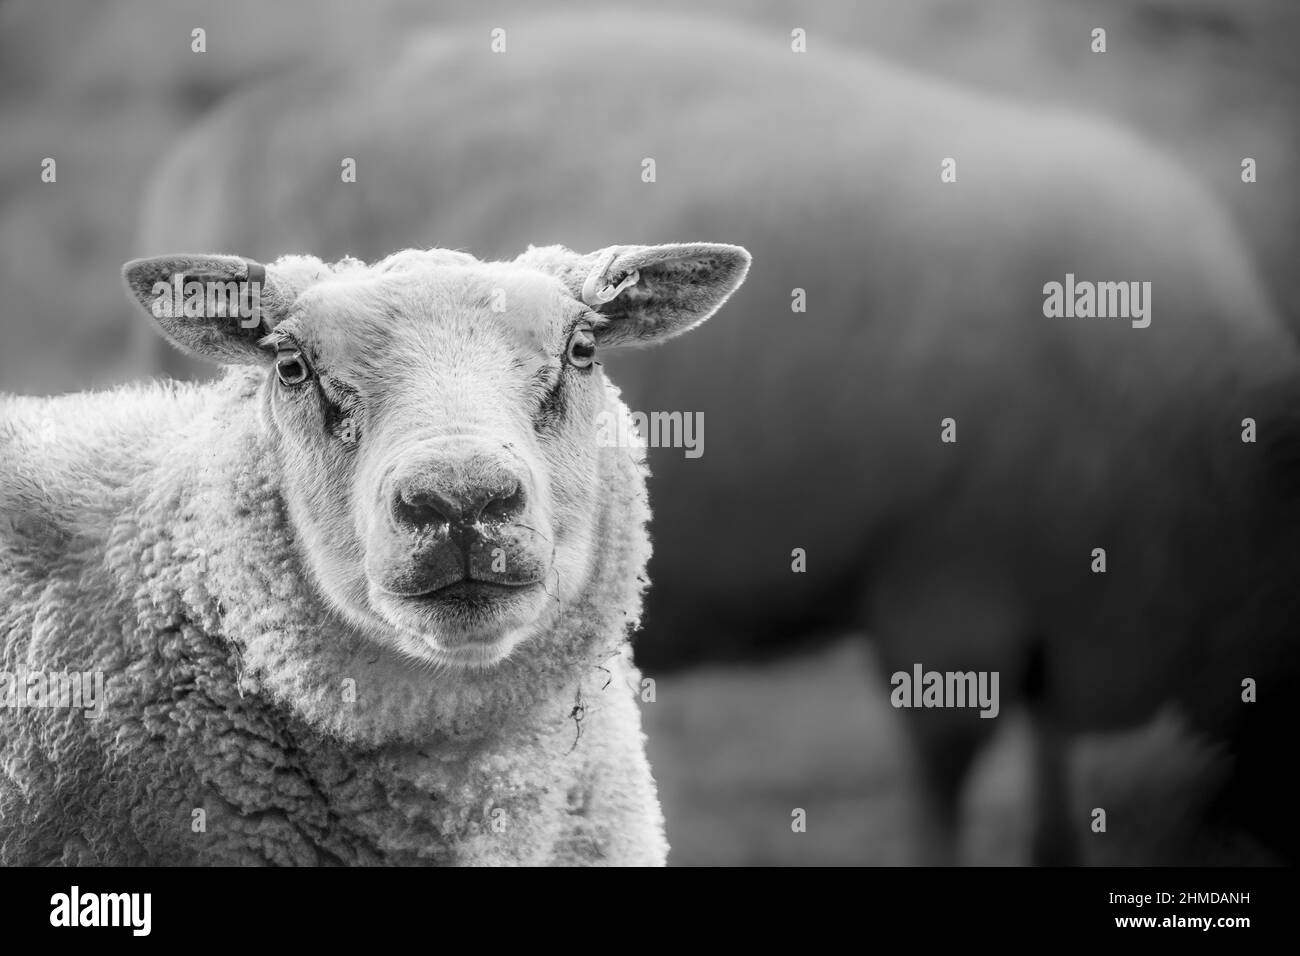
x=470, y=594
x=469, y=610
x=467, y=624
x=464, y=622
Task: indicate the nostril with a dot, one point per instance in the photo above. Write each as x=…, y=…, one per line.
x=506, y=504
x=418, y=511
x=449, y=502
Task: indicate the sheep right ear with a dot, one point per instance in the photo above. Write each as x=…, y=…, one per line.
x=215, y=307
x=647, y=293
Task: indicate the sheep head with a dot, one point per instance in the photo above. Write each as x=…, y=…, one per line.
x=434, y=417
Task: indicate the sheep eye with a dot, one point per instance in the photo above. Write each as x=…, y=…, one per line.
x=581, y=350
x=291, y=368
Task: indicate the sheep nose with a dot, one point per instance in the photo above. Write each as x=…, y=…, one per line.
x=447, y=496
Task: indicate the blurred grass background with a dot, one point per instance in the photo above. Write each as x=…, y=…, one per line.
x=106, y=87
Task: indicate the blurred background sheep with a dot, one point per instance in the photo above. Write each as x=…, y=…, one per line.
x=107, y=88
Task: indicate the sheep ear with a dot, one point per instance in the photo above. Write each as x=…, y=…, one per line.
x=216, y=307
x=648, y=293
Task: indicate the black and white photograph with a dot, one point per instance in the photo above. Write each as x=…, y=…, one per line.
x=734, y=435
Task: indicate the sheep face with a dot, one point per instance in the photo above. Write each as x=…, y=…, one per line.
x=435, y=420
x=435, y=430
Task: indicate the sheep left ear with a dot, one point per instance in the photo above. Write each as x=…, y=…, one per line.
x=215, y=307
x=648, y=293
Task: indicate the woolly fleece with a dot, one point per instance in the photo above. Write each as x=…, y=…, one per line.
x=143, y=536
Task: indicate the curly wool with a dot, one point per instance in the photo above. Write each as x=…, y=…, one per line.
x=243, y=723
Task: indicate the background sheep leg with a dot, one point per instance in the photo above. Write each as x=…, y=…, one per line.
x=1052, y=842
x=946, y=743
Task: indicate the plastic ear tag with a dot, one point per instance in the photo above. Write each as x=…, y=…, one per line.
x=596, y=291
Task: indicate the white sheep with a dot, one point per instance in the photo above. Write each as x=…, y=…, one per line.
x=364, y=600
